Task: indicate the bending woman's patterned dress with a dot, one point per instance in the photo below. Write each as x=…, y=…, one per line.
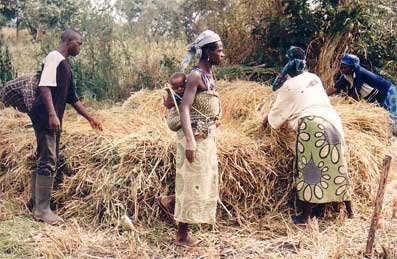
x=320, y=161
x=321, y=170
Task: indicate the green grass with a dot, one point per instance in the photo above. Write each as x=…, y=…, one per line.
x=13, y=235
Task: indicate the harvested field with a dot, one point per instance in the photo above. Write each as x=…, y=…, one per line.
x=117, y=174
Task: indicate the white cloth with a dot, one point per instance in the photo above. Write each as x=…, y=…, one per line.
x=194, y=49
x=49, y=73
x=301, y=96
x=366, y=91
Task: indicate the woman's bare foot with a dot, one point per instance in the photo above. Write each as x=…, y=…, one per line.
x=349, y=209
x=299, y=219
x=187, y=241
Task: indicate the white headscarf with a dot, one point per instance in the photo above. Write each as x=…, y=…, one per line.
x=194, y=49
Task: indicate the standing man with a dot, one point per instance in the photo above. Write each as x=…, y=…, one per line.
x=56, y=88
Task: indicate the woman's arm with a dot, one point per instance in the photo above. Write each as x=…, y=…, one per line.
x=186, y=105
x=265, y=121
x=331, y=91
x=282, y=108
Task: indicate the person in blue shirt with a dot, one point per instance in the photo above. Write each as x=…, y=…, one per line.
x=359, y=83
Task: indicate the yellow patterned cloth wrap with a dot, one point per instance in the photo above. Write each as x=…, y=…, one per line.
x=196, y=184
x=320, y=162
x=206, y=110
x=173, y=119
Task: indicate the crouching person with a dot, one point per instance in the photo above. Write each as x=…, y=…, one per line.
x=56, y=88
x=359, y=83
x=320, y=163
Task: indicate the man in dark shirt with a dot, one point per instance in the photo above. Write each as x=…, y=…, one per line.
x=359, y=83
x=56, y=88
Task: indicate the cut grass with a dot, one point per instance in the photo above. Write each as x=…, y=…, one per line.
x=333, y=237
x=122, y=170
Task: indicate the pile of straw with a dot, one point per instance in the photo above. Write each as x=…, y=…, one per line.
x=122, y=170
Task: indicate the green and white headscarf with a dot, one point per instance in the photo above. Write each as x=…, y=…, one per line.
x=194, y=49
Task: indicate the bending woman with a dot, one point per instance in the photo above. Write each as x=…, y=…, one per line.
x=196, y=184
x=320, y=163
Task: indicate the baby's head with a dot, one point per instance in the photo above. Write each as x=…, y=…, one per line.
x=177, y=82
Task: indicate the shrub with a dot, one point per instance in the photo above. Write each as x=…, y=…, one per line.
x=6, y=69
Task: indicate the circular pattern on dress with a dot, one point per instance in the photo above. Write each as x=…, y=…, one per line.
x=321, y=170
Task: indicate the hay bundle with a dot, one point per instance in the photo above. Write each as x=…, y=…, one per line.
x=123, y=169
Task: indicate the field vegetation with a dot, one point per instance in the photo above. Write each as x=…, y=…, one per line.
x=108, y=182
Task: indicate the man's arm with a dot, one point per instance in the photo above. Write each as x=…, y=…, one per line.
x=53, y=120
x=355, y=95
x=79, y=107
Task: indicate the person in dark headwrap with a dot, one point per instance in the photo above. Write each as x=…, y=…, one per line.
x=296, y=61
x=320, y=162
x=359, y=83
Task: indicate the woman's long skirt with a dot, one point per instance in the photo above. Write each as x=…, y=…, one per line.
x=196, y=184
x=320, y=162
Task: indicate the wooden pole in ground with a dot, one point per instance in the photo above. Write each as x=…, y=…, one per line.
x=378, y=205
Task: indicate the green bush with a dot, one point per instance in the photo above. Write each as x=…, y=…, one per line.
x=6, y=70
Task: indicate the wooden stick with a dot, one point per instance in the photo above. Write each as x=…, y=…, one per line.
x=378, y=205
x=169, y=88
